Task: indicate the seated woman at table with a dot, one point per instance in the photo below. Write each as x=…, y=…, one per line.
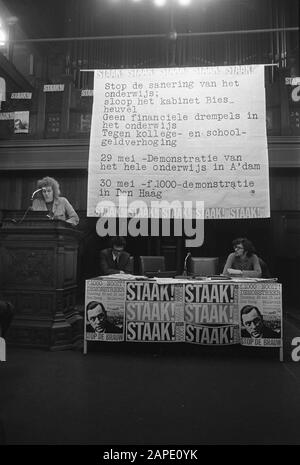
x=243, y=262
x=48, y=198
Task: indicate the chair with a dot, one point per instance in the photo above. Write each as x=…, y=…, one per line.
x=131, y=264
x=151, y=264
x=265, y=272
x=202, y=266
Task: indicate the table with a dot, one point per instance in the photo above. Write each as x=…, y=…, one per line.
x=204, y=312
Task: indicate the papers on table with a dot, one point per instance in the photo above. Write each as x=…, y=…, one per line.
x=167, y=280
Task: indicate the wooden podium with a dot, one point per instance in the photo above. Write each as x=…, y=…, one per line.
x=38, y=274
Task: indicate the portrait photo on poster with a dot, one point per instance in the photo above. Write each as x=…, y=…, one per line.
x=103, y=321
x=21, y=122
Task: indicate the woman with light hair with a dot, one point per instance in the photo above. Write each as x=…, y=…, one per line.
x=47, y=198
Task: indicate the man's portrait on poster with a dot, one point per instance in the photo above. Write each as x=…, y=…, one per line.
x=97, y=319
x=253, y=324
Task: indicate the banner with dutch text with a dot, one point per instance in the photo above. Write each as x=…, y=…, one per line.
x=174, y=134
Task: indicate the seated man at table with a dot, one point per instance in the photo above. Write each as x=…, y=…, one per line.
x=114, y=259
x=254, y=325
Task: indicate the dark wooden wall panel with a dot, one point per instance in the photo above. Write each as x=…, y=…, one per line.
x=285, y=189
x=16, y=187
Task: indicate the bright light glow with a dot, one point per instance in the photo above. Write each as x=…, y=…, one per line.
x=159, y=2
x=3, y=37
x=12, y=20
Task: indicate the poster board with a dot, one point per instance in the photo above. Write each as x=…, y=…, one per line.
x=198, y=312
x=168, y=134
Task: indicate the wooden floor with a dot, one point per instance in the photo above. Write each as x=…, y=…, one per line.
x=151, y=394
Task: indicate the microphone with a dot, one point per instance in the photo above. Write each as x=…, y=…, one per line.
x=185, y=264
x=35, y=192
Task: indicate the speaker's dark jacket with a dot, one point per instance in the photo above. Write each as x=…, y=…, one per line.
x=109, y=266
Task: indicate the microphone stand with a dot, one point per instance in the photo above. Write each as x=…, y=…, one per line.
x=184, y=273
x=25, y=214
x=29, y=208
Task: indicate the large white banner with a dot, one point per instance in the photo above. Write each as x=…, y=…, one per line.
x=192, y=134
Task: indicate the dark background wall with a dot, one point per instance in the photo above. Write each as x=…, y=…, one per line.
x=57, y=142
x=276, y=239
